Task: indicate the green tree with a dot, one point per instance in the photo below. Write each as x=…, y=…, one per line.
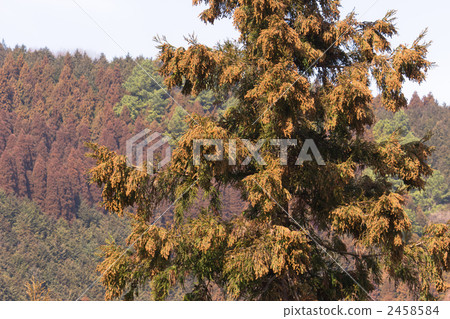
x=144, y=94
x=298, y=72
x=206, y=99
x=177, y=125
x=435, y=194
x=399, y=124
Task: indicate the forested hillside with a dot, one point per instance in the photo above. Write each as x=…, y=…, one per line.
x=61, y=254
x=51, y=226
x=51, y=105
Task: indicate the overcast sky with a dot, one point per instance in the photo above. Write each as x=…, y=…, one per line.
x=62, y=25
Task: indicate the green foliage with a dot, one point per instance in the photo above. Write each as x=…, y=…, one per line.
x=177, y=125
x=399, y=125
x=144, y=95
x=435, y=195
x=53, y=253
x=206, y=100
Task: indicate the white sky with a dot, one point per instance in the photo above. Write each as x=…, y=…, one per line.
x=61, y=25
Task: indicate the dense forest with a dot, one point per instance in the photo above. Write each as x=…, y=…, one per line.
x=51, y=226
x=50, y=107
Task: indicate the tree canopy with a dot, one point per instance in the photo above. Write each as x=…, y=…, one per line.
x=144, y=94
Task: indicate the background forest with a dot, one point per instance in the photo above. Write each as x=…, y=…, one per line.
x=51, y=226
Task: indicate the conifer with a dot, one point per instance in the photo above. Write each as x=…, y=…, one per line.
x=298, y=71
